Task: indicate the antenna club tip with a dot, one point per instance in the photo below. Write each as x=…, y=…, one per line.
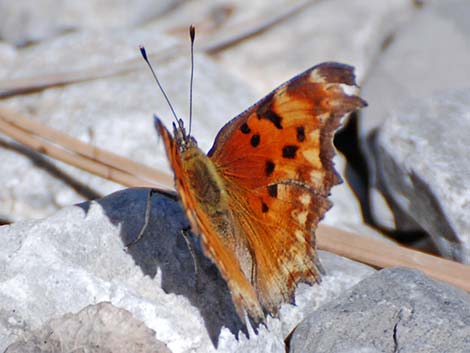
x=143, y=52
x=192, y=32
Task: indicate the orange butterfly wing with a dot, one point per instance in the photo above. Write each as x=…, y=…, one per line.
x=258, y=195
x=276, y=162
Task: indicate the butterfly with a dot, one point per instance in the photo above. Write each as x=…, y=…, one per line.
x=256, y=197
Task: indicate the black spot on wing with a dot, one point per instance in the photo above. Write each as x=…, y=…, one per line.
x=300, y=134
x=255, y=139
x=289, y=151
x=272, y=190
x=265, y=112
x=269, y=168
x=274, y=118
x=264, y=207
x=245, y=129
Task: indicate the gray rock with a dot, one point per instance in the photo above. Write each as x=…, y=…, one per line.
x=350, y=31
x=422, y=160
x=101, y=327
x=76, y=257
x=431, y=54
x=24, y=21
x=346, y=212
x=8, y=55
x=394, y=310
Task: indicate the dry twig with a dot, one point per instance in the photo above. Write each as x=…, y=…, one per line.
x=67, y=149
x=380, y=254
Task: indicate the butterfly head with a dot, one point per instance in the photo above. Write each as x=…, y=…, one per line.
x=183, y=140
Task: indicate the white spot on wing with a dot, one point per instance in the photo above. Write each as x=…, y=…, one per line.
x=299, y=235
x=316, y=77
x=305, y=199
x=302, y=217
x=311, y=155
x=316, y=176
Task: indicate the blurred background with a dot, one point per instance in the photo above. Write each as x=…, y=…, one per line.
x=76, y=66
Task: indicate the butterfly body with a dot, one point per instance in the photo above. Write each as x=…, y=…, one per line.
x=204, y=183
x=206, y=191
x=256, y=197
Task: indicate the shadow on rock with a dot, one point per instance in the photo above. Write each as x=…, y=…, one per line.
x=164, y=248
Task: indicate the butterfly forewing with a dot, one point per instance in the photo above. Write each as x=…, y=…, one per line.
x=287, y=135
x=276, y=161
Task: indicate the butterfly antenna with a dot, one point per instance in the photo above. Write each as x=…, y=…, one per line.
x=144, y=55
x=192, y=34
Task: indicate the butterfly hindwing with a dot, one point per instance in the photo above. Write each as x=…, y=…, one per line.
x=281, y=238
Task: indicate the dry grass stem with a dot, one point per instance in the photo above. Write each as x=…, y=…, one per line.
x=67, y=149
x=380, y=254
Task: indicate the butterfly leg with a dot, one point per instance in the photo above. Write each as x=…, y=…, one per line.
x=148, y=208
x=186, y=234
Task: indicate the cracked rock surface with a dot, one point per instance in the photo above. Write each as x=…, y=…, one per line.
x=394, y=310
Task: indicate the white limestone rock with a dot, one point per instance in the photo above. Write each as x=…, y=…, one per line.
x=346, y=212
x=349, y=31
x=24, y=21
x=430, y=54
x=77, y=258
x=422, y=160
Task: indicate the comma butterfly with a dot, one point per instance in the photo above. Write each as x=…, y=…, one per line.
x=256, y=198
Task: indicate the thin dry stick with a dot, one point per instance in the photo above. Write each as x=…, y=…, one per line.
x=12, y=87
x=79, y=154
x=32, y=84
x=46, y=148
x=369, y=251
x=209, y=44
x=240, y=32
x=381, y=254
x=87, y=164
